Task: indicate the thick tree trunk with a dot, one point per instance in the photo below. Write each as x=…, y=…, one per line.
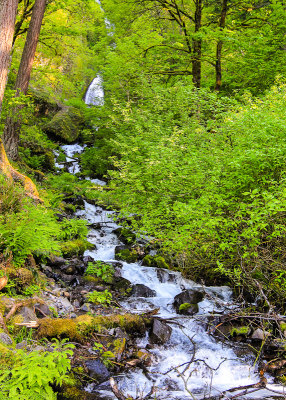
x=197, y=47
x=13, y=125
x=8, y=10
x=7, y=170
x=218, y=69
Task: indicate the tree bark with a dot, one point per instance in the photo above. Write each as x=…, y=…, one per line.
x=8, y=10
x=197, y=47
x=13, y=125
x=218, y=69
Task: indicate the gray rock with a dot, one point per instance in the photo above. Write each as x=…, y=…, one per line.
x=5, y=338
x=161, y=332
x=85, y=307
x=259, y=334
x=140, y=290
x=119, y=333
x=97, y=370
x=191, y=297
x=22, y=345
x=43, y=310
x=28, y=314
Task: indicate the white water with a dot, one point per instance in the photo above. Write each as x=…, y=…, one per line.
x=215, y=367
x=95, y=93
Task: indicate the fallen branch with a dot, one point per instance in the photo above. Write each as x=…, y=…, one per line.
x=13, y=310
x=119, y=395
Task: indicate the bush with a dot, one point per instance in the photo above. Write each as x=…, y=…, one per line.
x=33, y=373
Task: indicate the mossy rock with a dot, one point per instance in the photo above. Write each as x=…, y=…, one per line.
x=44, y=103
x=125, y=235
x=75, y=247
x=66, y=125
x=155, y=261
x=22, y=277
x=128, y=255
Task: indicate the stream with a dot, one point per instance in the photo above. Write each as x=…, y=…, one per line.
x=215, y=366
x=192, y=364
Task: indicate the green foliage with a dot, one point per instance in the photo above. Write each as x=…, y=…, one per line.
x=105, y=355
x=73, y=229
x=102, y=298
x=32, y=374
x=209, y=185
x=32, y=229
x=101, y=270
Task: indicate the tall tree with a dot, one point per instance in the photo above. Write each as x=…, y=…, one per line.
x=13, y=125
x=8, y=10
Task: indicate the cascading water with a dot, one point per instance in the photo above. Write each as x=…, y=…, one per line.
x=192, y=364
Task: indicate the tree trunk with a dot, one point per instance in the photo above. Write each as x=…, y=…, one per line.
x=14, y=176
x=219, y=46
x=197, y=47
x=13, y=125
x=8, y=10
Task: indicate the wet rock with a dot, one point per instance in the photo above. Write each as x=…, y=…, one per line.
x=5, y=338
x=260, y=335
x=188, y=309
x=140, y=290
x=97, y=370
x=165, y=276
x=161, y=332
x=121, y=285
x=187, y=301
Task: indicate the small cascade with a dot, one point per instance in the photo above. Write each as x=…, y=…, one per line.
x=191, y=364
x=95, y=95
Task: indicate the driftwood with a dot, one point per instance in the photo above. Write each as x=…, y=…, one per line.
x=14, y=176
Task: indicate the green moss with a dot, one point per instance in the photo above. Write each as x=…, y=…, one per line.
x=75, y=247
x=155, y=261
x=127, y=255
x=283, y=326
x=184, y=307
x=240, y=331
x=66, y=124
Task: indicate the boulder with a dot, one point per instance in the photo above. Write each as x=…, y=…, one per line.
x=5, y=339
x=65, y=125
x=187, y=301
x=161, y=332
x=140, y=290
x=27, y=314
x=97, y=370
